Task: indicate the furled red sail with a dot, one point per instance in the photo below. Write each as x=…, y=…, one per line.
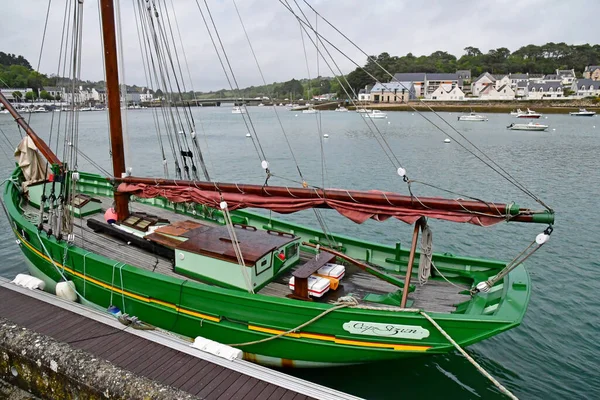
x=357, y=206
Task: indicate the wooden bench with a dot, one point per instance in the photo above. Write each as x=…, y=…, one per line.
x=302, y=273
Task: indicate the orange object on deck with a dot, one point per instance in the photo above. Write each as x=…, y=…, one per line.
x=333, y=283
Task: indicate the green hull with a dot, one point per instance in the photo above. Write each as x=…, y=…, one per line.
x=232, y=316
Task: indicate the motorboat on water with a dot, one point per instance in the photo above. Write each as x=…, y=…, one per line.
x=376, y=114
x=341, y=109
x=473, y=117
x=527, y=127
x=583, y=113
x=362, y=110
x=529, y=114
x=238, y=110
x=517, y=112
x=310, y=110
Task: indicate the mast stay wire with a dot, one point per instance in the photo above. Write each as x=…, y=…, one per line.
x=372, y=127
x=506, y=175
x=270, y=94
x=143, y=56
x=186, y=107
x=249, y=124
x=408, y=181
x=156, y=84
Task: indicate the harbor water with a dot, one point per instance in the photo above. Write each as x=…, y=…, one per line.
x=552, y=355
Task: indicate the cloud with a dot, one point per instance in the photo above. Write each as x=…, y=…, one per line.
x=398, y=27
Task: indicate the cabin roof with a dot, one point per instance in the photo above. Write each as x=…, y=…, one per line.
x=215, y=242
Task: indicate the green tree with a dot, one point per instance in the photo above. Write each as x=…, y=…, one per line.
x=17, y=95
x=44, y=95
x=31, y=95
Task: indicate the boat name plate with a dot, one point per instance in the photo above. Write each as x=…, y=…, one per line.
x=387, y=330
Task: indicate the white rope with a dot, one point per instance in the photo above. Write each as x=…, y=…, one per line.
x=471, y=360
x=236, y=246
x=426, y=250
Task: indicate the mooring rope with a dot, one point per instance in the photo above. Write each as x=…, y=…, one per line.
x=470, y=359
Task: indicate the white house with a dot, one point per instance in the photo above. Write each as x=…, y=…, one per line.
x=99, y=95
x=81, y=95
x=502, y=80
x=8, y=93
x=365, y=94
x=490, y=92
x=545, y=91
x=447, y=81
x=392, y=92
x=441, y=94
x=586, y=87
x=567, y=76
x=146, y=96
x=481, y=82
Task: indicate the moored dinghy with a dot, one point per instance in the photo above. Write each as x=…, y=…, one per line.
x=199, y=264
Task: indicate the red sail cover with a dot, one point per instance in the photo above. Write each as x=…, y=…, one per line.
x=355, y=211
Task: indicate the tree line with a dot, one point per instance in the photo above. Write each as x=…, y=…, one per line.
x=533, y=59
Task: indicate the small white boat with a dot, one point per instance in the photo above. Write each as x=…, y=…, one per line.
x=261, y=105
x=4, y=111
x=473, y=117
x=376, y=114
x=341, y=109
x=515, y=113
x=89, y=108
x=529, y=114
x=583, y=113
x=362, y=110
x=310, y=110
x=238, y=110
x=527, y=127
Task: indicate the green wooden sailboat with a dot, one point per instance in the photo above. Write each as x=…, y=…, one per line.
x=196, y=262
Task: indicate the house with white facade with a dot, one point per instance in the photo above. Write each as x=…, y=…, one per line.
x=146, y=96
x=502, y=80
x=81, y=96
x=567, y=76
x=8, y=93
x=517, y=80
x=586, y=88
x=545, y=91
x=441, y=94
x=482, y=82
x=434, y=80
x=99, y=95
x=392, y=92
x=365, y=94
x=592, y=72
x=491, y=92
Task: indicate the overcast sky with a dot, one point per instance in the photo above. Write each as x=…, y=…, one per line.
x=395, y=26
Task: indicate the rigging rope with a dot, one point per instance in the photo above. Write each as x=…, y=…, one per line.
x=236, y=245
x=469, y=358
x=506, y=175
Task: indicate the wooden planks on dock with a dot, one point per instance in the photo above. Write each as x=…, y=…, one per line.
x=136, y=354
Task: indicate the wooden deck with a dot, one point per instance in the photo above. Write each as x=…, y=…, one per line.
x=150, y=354
x=436, y=295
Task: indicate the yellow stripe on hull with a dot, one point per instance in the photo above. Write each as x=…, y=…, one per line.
x=329, y=338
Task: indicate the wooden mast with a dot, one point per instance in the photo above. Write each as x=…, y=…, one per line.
x=114, y=103
x=411, y=260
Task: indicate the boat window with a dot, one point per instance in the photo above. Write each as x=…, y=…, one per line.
x=263, y=263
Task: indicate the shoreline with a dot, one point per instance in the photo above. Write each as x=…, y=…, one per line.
x=544, y=107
